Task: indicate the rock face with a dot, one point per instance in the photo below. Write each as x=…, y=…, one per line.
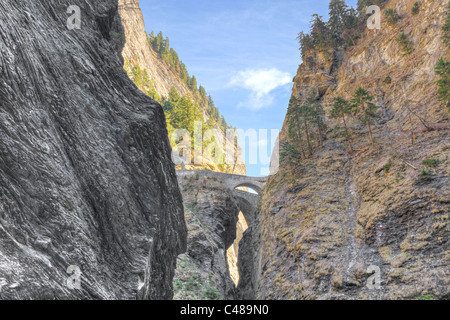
x=138, y=49
x=233, y=251
x=327, y=224
x=211, y=215
x=86, y=177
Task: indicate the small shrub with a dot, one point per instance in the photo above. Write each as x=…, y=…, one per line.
x=191, y=285
x=212, y=294
x=405, y=44
x=387, y=166
x=416, y=8
x=425, y=174
x=290, y=153
x=178, y=285
x=431, y=162
x=425, y=297
x=391, y=16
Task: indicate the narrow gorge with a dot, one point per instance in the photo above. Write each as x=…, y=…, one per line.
x=94, y=189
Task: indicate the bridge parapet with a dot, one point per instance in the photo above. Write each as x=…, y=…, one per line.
x=248, y=201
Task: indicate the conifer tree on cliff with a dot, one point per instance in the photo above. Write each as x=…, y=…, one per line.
x=341, y=109
x=365, y=109
x=443, y=70
x=337, y=22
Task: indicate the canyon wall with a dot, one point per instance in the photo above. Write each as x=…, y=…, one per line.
x=86, y=177
x=327, y=226
x=211, y=215
x=138, y=51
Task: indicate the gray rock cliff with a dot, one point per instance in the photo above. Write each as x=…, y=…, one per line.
x=86, y=177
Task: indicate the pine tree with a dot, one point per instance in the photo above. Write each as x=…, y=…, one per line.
x=138, y=76
x=151, y=38
x=184, y=73
x=341, y=109
x=165, y=49
x=361, y=6
x=320, y=33
x=193, y=84
x=443, y=70
x=158, y=43
x=202, y=92
x=338, y=11
x=146, y=82
x=183, y=115
x=305, y=121
x=365, y=109
x=223, y=124
x=174, y=95
x=295, y=126
x=317, y=117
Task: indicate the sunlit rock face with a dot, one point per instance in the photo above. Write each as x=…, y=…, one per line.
x=138, y=52
x=330, y=226
x=86, y=177
x=212, y=212
x=233, y=251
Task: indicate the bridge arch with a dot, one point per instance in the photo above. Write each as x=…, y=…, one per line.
x=248, y=201
x=250, y=185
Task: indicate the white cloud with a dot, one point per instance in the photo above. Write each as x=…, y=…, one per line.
x=261, y=83
x=262, y=143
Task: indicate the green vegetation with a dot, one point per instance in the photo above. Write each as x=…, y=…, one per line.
x=407, y=45
x=443, y=66
x=341, y=109
x=416, y=8
x=306, y=124
x=365, y=109
x=425, y=174
x=443, y=70
x=425, y=297
x=194, y=285
x=181, y=111
x=341, y=22
x=142, y=80
x=168, y=54
x=388, y=80
x=289, y=153
x=342, y=29
x=388, y=166
x=363, y=4
x=391, y=16
x=431, y=162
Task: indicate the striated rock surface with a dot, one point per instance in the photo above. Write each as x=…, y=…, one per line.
x=138, y=51
x=86, y=177
x=211, y=215
x=324, y=224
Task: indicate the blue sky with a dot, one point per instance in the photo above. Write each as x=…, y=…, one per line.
x=244, y=53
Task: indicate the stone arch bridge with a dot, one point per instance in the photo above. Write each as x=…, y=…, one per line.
x=247, y=201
